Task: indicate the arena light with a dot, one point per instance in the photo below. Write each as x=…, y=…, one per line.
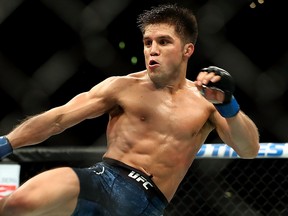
x=252, y=5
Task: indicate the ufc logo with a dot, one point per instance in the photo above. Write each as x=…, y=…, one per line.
x=140, y=178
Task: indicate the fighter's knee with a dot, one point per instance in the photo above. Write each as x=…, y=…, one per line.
x=17, y=204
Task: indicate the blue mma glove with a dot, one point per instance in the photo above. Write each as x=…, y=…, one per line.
x=230, y=106
x=5, y=147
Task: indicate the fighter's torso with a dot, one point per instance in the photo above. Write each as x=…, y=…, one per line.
x=158, y=131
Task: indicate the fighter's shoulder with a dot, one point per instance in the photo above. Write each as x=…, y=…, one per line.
x=127, y=79
x=137, y=75
x=116, y=82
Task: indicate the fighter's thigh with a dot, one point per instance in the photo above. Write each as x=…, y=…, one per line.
x=56, y=188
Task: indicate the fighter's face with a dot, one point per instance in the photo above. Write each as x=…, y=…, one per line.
x=163, y=51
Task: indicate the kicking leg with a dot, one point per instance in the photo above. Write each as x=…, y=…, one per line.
x=54, y=192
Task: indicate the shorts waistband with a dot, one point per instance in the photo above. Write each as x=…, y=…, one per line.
x=141, y=178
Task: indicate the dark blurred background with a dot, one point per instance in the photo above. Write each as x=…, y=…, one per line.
x=51, y=50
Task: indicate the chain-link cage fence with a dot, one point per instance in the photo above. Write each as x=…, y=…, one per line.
x=218, y=186
x=233, y=187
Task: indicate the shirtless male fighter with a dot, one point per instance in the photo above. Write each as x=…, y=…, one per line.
x=158, y=120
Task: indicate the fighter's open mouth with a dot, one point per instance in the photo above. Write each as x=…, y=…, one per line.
x=153, y=62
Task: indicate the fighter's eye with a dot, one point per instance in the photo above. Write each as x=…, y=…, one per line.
x=163, y=42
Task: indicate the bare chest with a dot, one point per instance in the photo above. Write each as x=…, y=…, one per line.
x=182, y=113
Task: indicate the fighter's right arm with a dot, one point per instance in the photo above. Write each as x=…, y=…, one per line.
x=38, y=128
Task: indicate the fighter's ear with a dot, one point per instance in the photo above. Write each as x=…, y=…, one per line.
x=188, y=49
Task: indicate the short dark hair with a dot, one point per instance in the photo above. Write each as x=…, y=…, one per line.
x=183, y=19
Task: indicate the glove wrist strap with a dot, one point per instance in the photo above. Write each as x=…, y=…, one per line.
x=228, y=110
x=5, y=147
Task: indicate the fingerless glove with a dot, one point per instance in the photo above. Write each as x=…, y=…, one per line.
x=5, y=147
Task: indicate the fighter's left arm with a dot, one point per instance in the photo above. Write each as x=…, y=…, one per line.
x=234, y=127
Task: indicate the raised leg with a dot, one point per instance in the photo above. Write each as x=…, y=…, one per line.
x=52, y=193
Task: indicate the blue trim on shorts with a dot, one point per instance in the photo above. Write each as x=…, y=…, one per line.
x=111, y=188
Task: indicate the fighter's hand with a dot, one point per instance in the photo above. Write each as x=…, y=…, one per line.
x=5, y=147
x=215, y=84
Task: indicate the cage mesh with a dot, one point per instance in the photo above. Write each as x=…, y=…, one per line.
x=233, y=187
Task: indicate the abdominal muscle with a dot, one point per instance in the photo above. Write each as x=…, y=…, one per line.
x=164, y=156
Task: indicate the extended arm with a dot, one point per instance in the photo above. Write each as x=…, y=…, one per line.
x=40, y=127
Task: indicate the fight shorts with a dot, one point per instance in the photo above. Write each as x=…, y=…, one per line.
x=112, y=188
